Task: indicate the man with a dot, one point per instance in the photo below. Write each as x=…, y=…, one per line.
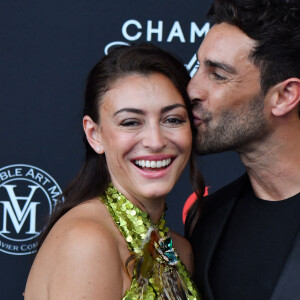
x=245, y=96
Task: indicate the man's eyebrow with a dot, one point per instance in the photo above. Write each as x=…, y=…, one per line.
x=170, y=107
x=220, y=65
x=129, y=109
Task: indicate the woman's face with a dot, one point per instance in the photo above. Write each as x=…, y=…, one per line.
x=145, y=134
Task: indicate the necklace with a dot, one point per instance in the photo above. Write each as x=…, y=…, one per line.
x=158, y=272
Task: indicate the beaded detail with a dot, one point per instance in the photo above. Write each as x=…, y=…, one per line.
x=151, y=248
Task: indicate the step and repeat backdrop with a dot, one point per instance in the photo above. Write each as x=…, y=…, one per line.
x=46, y=51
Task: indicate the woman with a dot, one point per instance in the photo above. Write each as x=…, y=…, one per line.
x=108, y=240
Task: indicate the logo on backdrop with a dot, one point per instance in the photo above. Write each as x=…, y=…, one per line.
x=27, y=196
x=133, y=30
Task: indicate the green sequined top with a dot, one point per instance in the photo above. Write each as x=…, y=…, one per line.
x=134, y=225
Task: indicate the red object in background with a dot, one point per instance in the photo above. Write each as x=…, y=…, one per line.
x=189, y=202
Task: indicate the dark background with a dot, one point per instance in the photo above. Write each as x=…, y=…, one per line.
x=46, y=51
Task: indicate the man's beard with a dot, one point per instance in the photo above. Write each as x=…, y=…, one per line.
x=233, y=128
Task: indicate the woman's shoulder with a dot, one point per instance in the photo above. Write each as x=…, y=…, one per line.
x=184, y=250
x=86, y=229
x=81, y=253
x=88, y=221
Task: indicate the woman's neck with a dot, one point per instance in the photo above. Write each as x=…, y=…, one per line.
x=154, y=207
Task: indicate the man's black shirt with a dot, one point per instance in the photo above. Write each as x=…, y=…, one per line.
x=253, y=247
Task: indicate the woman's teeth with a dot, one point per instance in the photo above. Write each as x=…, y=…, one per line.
x=153, y=164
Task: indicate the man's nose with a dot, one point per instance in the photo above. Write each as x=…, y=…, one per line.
x=196, y=87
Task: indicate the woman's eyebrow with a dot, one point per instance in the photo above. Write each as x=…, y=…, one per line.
x=170, y=107
x=141, y=112
x=129, y=109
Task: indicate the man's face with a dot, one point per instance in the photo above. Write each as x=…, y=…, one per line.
x=225, y=92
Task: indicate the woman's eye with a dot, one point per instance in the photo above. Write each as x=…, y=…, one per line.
x=175, y=121
x=130, y=123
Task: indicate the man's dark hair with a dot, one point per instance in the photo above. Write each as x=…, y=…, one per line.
x=274, y=25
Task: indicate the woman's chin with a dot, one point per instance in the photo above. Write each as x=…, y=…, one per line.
x=156, y=192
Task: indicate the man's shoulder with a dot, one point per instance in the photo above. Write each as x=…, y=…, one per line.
x=228, y=191
x=214, y=202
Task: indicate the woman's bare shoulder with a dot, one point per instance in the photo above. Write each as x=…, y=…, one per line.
x=184, y=249
x=86, y=225
x=81, y=256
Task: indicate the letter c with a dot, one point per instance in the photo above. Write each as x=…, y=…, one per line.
x=125, y=33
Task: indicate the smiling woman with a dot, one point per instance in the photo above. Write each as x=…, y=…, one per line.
x=108, y=240
x=143, y=118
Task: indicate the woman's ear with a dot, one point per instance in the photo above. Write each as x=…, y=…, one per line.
x=93, y=135
x=287, y=97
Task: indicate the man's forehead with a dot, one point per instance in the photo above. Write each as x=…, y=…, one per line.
x=225, y=43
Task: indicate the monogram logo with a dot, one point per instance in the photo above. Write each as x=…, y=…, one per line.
x=17, y=215
x=27, y=196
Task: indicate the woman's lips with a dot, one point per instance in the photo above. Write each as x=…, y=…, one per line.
x=153, y=164
x=153, y=168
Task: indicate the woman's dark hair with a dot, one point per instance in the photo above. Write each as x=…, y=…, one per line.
x=143, y=59
x=275, y=26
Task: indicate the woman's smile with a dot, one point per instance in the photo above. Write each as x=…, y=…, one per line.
x=153, y=164
x=154, y=168
x=146, y=135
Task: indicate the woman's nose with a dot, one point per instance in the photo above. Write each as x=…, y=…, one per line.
x=155, y=138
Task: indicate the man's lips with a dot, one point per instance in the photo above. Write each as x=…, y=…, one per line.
x=197, y=120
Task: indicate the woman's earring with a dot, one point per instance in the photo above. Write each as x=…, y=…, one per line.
x=100, y=150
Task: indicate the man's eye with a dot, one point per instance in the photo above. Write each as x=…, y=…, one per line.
x=218, y=76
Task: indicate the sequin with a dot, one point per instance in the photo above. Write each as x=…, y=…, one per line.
x=129, y=239
x=135, y=226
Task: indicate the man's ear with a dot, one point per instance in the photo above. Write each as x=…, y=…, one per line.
x=287, y=97
x=93, y=135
